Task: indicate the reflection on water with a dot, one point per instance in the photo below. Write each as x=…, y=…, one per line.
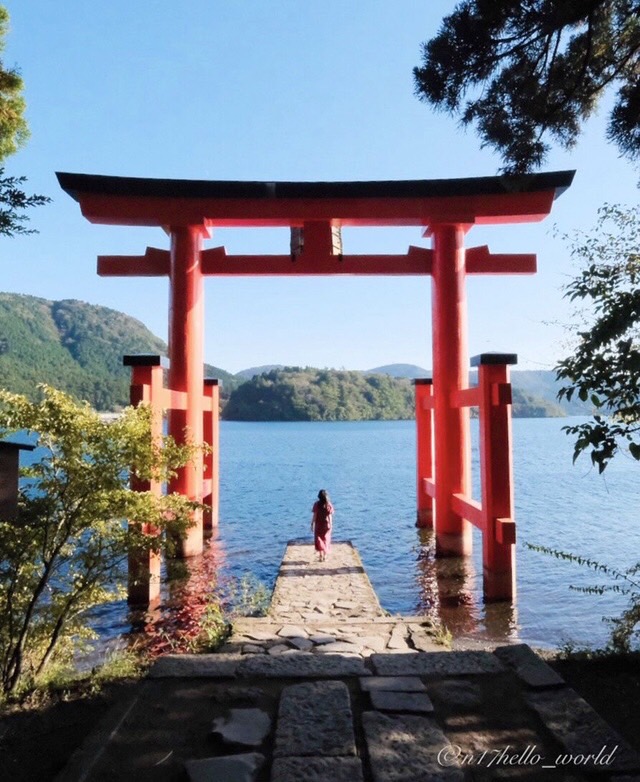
x=449, y=590
x=270, y=476
x=190, y=588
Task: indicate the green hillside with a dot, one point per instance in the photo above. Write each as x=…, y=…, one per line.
x=74, y=346
x=528, y=384
x=78, y=347
x=295, y=394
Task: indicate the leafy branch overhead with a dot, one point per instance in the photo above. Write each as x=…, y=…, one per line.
x=533, y=69
x=13, y=201
x=13, y=135
x=604, y=368
x=13, y=126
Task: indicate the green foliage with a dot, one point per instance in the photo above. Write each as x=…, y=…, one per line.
x=13, y=126
x=604, y=368
x=13, y=200
x=246, y=596
x=71, y=345
x=527, y=405
x=520, y=71
x=626, y=627
x=74, y=346
x=13, y=134
x=294, y=394
x=65, y=552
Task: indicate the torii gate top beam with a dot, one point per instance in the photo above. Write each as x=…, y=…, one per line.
x=424, y=202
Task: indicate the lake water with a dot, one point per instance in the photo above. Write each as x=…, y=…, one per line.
x=271, y=472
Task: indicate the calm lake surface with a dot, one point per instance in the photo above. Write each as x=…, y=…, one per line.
x=271, y=472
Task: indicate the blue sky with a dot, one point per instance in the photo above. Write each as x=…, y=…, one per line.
x=279, y=90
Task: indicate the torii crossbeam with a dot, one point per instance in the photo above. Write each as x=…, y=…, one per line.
x=315, y=211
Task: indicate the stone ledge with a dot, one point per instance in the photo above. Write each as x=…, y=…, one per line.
x=404, y=748
x=234, y=768
x=316, y=769
x=581, y=730
x=302, y=665
x=204, y=666
x=533, y=670
x=315, y=719
x=436, y=664
x=392, y=684
x=411, y=702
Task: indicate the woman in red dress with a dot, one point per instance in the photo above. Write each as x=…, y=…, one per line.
x=321, y=524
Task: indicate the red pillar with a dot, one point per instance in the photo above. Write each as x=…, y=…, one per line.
x=186, y=373
x=424, y=443
x=211, y=428
x=144, y=566
x=450, y=373
x=496, y=465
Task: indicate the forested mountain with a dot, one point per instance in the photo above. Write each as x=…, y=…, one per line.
x=78, y=347
x=74, y=346
x=536, y=383
x=296, y=394
x=247, y=374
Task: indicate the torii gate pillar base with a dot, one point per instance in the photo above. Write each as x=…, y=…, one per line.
x=454, y=544
x=499, y=586
x=424, y=518
x=144, y=580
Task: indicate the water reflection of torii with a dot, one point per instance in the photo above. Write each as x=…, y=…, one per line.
x=315, y=213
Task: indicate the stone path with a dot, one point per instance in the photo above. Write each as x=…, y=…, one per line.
x=328, y=608
x=272, y=708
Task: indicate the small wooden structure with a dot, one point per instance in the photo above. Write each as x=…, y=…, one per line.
x=10, y=477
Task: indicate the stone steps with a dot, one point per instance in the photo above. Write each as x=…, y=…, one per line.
x=328, y=688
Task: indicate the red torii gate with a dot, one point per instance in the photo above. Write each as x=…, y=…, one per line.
x=315, y=211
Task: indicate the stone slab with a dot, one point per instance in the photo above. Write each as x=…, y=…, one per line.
x=458, y=694
x=407, y=748
x=411, y=702
x=260, y=635
x=424, y=642
x=189, y=666
x=277, y=649
x=582, y=731
x=292, y=631
x=315, y=718
x=398, y=638
x=252, y=649
x=376, y=643
x=322, y=638
x=303, y=644
x=302, y=665
x=232, y=768
x=393, y=683
x=533, y=670
x=337, y=647
x=315, y=769
x=244, y=727
x=436, y=664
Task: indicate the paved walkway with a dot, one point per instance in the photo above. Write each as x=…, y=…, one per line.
x=328, y=608
x=327, y=688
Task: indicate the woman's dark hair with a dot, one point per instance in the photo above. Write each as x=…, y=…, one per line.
x=323, y=496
